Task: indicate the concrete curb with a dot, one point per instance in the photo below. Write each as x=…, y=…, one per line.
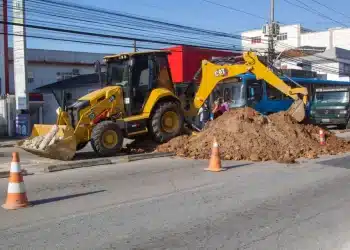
x=149, y=156
x=77, y=164
x=6, y=174
x=9, y=145
x=138, y=157
x=91, y=163
x=97, y=162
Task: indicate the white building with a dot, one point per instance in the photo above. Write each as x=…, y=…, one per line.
x=331, y=64
x=330, y=49
x=297, y=36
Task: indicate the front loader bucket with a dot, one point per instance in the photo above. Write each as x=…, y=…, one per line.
x=51, y=141
x=297, y=110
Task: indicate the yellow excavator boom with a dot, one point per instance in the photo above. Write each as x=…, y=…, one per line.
x=213, y=74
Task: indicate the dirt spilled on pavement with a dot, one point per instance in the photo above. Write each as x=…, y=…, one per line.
x=243, y=134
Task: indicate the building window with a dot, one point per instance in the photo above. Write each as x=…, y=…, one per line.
x=282, y=36
x=344, y=69
x=30, y=77
x=256, y=39
x=66, y=75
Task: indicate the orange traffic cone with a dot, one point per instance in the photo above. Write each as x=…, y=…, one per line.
x=215, y=161
x=16, y=192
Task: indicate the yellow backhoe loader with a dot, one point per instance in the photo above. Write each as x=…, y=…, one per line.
x=139, y=98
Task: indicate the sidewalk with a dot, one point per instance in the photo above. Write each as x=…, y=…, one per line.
x=29, y=162
x=33, y=164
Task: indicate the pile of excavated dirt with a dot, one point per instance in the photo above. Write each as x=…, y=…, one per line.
x=244, y=134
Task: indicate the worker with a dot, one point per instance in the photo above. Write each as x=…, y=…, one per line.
x=220, y=107
x=307, y=112
x=217, y=109
x=204, y=114
x=226, y=105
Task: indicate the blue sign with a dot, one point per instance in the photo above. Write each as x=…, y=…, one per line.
x=22, y=124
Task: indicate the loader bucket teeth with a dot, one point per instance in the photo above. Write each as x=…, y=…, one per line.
x=297, y=110
x=51, y=141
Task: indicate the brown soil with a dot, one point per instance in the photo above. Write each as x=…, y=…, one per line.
x=243, y=134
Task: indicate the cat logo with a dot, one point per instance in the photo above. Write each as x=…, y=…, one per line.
x=221, y=72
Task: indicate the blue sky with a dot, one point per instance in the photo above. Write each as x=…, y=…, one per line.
x=199, y=13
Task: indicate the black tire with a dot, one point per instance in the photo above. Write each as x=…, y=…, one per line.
x=81, y=145
x=97, y=139
x=158, y=133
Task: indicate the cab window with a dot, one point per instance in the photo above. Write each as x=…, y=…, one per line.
x=254, y=91
x=163, y=78
x=274, y=94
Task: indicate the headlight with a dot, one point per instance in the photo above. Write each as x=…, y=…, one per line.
x=343, y=112
x=58, y=110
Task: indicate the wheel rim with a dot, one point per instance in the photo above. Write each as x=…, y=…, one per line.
x=170, y=122
x=109, y=139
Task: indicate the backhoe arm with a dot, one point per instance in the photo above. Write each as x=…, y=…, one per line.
x=263, y=72
x=213, y=74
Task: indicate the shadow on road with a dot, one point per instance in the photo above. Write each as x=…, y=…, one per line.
x=237, y=166
x=143, y=144
x=60, y=198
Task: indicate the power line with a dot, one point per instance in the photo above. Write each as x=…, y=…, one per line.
x=106, y=35
x=324, y=69
x=87, y=19
x=234, y=9
x=330, y=8
x=186, y=29
x=79, y=41
x=311, y=10
x=245, y=38
x=91, y=17
x=134, y=17
x=90, y=20
x=59, y=24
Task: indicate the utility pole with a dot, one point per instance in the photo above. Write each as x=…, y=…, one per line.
x=135, y=48
x=272, y=34
x=20, y=68
x=4, y=77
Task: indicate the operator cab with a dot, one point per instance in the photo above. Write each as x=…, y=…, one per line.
x=231, y=89
x=138, y=74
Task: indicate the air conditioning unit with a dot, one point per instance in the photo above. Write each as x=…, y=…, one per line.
x=275, y=29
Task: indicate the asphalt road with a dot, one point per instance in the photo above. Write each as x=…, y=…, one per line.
x=174, y=204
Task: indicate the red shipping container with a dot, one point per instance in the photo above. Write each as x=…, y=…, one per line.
x=184, y=61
